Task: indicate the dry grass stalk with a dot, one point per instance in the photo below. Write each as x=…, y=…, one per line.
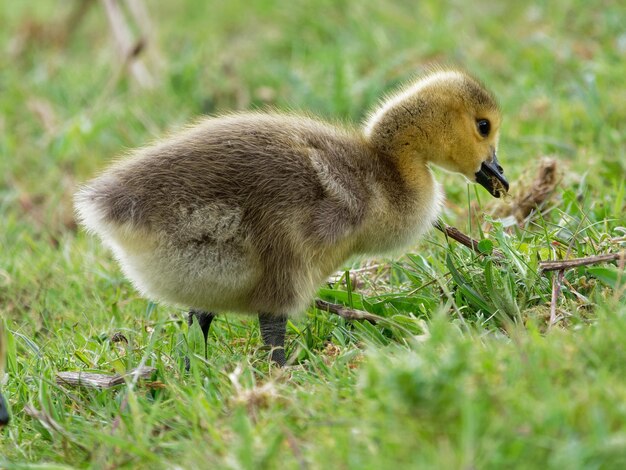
x=576, y=262
x=525, y=198
x=101, y=381
x=346, y=312
x=129, y=48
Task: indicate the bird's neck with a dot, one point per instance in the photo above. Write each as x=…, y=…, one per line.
x=403, y=205
x=413, y=168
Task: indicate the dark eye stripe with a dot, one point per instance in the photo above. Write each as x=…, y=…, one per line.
x=483, y=127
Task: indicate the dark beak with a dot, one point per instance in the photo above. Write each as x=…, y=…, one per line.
x=491, y=177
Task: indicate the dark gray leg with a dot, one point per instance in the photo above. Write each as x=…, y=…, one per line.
x=204, y=320
x=273, y=329
x=4, y=412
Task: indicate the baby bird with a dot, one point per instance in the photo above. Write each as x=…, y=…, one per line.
x=251, y=212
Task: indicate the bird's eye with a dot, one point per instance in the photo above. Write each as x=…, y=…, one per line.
x=483, y=127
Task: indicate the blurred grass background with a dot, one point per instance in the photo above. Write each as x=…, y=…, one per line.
x=453, y=380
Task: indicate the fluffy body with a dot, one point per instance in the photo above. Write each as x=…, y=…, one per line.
x=252, y=212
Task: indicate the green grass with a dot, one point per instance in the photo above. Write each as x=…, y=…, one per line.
x=465, y=371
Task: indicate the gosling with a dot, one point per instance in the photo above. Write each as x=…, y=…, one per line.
x=251, y=212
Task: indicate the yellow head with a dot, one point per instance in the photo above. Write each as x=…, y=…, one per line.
x=446, y=118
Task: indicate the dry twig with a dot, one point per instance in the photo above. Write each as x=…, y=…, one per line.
x=463, y=239
x=576, y=262
x=561, y=266
x=95, y=380
x=346, y=312
x=129, y=48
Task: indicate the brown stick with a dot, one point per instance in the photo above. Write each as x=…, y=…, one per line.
x=463, y=239
x=94, y=380
x=346, y=312
x=128, y=48
x=574, y=263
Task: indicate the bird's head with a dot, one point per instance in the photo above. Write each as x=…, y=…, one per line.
x=446, y=118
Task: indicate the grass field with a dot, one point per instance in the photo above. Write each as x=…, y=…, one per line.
x=468, y=369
